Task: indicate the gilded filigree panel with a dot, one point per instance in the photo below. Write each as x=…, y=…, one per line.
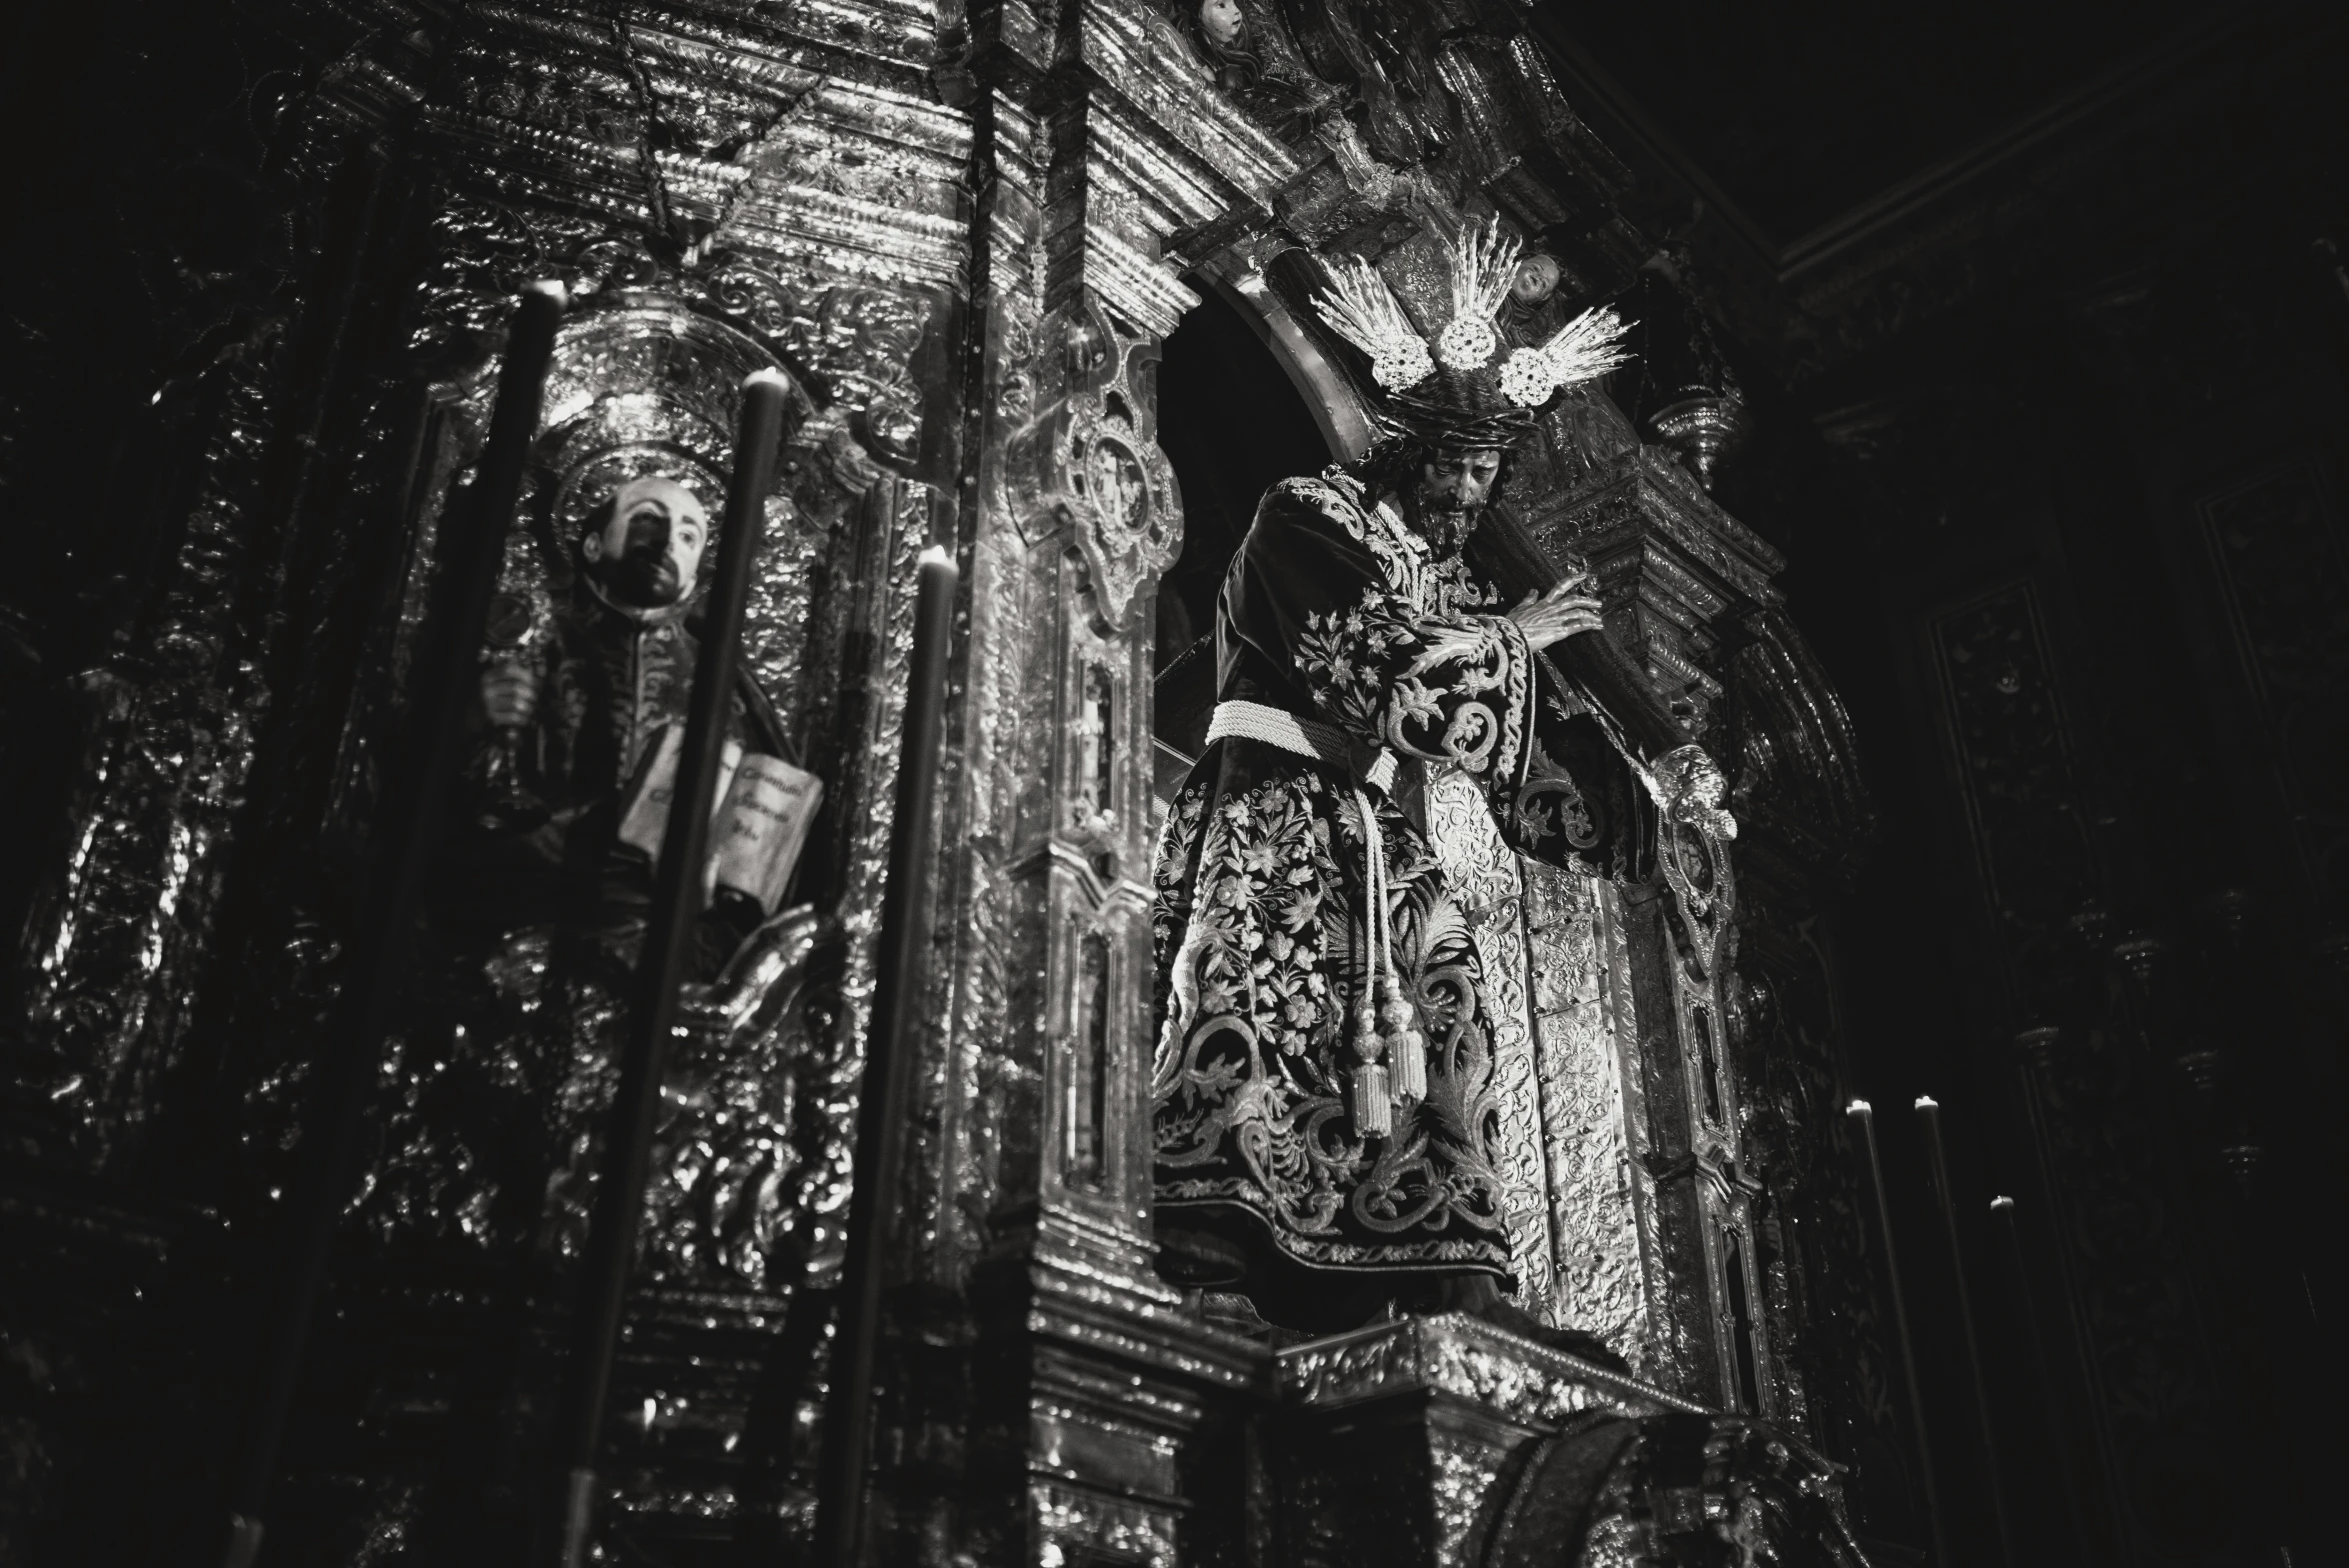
x=1482, y=873
x=1586, y=1158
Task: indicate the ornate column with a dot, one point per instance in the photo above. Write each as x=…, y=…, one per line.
x=1586, y=1041
x=1029, y=1290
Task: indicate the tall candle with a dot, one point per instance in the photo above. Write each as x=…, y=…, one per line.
x=1864, y=1117
x=1937, y=1166
x=350, y=1051
x=889, y=1051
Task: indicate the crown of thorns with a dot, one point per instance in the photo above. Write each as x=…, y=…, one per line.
x=1469, y=388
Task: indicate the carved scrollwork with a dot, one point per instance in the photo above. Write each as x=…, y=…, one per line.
x=1090, y=464
x=1692, y=850
x=858, y=340
x=1119, y=491
x=1674, y=1488
x=1794, y=756
x=1466, y=1358
x=852, y=341
x=745, y=1129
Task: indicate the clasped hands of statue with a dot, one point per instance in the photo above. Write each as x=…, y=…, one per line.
x=1546, y=617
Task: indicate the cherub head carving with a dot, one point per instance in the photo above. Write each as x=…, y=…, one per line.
x=1536, y=278
x=643, y=546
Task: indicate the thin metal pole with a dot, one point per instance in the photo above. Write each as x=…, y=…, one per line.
x=1937, y=1165
x=351, y=1054
x=2002, y=1211
x=668, y=944
x=1860, y=1112
x=889, y=1051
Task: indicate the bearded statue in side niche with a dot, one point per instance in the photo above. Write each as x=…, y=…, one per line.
x=585, y=729
x=578, y=719
x=541, y=903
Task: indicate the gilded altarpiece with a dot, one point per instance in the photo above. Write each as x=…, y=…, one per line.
x=963, y=236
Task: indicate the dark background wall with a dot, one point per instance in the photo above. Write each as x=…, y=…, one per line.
x=2040, y=317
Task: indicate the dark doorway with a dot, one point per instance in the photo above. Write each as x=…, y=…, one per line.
x=1232, y=423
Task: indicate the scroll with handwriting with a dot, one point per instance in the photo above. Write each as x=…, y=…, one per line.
x=763, y=809
x=644, y=818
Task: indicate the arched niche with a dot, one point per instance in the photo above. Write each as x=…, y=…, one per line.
x=1245, y=398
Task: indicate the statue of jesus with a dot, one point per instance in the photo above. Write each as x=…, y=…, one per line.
x=1323, y=1103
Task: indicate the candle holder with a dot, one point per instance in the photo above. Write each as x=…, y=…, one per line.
x=1702, y=430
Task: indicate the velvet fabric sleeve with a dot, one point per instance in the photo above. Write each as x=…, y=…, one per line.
x=1318, y=591
x=1583, y=802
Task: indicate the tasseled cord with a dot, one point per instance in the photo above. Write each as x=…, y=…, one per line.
x=1384, y=1019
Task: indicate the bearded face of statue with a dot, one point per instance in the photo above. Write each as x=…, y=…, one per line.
x=647, y=550
x=1454, y=488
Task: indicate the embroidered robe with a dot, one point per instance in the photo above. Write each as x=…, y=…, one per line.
x=1337, y=611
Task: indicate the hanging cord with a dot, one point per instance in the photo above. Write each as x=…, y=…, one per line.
x=1372, y=1098
x=1398, y=1019
x=693, y=238
x=1385, y=1021
x=648, y=162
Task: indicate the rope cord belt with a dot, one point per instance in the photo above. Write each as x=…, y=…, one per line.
x=1384, y=1019
x=1279, y=727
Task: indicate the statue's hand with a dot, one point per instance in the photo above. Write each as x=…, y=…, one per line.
x=1694, y=788
x=1558, y=613
x=509, y=694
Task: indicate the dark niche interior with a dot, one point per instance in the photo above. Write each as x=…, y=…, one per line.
x=1232, y=423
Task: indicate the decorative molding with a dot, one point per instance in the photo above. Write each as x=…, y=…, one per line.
x=1466, y=1358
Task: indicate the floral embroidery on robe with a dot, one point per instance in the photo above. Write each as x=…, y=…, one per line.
x=1335, y=610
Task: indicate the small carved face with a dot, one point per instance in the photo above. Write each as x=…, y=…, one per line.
x=1458, y=481
x=649, y=548
x=1222, y=22
x=1536, y=279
